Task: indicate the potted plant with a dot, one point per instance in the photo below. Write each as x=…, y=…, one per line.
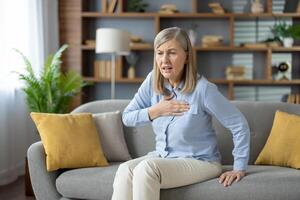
x=136, y=6
x=286, y=33
x=131, y=59
x=51, y=91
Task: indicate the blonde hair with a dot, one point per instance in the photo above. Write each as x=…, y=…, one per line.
x=189, y=75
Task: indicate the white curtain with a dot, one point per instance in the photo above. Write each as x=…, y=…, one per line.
x=24, y=25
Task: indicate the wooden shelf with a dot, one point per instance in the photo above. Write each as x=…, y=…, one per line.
x=189, y=15
x=118, y=15
x=135, y=48
x=122, y=80
x=194, y=15
x=216, y=81
x=221, y=48
x=265, y=15
x=256, y=82
x=285, y=49
x=228, y=48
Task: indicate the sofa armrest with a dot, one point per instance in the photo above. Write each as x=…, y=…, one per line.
x=43, y=182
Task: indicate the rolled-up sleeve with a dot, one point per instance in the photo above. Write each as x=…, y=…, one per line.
x=136, y=113
x=231, y=118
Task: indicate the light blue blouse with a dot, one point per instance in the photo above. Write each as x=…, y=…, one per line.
x=192, y=134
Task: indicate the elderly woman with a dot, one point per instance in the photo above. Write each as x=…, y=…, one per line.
x=180, y=105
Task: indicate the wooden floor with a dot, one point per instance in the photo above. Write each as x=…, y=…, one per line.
x=14, y=191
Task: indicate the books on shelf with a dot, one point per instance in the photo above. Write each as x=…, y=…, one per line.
x=112, y=6
x=293, y=98
x=104, y=6
x=102, y=69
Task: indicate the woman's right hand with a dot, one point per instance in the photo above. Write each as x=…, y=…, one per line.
x=167, y=108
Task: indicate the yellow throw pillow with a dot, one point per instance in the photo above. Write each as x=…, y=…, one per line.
x=70, y=140
x=283, y=145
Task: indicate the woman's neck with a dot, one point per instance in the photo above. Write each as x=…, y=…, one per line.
x=174, y=83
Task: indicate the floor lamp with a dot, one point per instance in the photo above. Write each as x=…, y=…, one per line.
x=114, y=42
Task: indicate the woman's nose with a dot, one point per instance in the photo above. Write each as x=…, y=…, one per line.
x=165, y=57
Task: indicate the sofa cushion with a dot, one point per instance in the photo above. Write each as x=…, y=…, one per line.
x=283, y=145
x=110, y=129
x=263, y=182
x=270, y=182
x=87, y=183
x=70, y=140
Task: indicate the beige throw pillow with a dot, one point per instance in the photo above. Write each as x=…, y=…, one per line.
x=110, y=130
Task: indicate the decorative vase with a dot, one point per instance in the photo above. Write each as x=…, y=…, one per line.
x=193, y=36
x=131, y=72
x=288, y=42
x=257, y=7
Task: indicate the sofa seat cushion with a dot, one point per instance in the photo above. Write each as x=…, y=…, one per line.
x=87, y=183
x=262, y=182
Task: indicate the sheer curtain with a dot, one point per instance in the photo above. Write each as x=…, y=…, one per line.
x=24, y=25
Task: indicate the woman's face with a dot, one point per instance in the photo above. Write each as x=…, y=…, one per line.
x=170, y=58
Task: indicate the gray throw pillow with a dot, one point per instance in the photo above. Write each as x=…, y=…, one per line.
x=110, y=129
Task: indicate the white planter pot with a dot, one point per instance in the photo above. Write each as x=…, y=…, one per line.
x=288, y=42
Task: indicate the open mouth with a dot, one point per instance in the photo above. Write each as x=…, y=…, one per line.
x=167, y=68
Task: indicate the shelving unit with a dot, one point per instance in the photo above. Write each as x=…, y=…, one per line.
x=80, y=18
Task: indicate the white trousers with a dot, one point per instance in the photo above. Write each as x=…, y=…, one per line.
x=142, y=178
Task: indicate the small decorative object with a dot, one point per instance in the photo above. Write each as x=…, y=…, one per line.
x=131, y=59
x=136, y=6
x=257, y=7
x=286, y=33
x=134, y=38
x=288, y=42
x=193, y=34
x=212, y=40
x=137, y=42
x=235, y=72
x=168, y=9
x=279, y=71
x=91, y=43
x=272, y=42
x=131, y=72
x=283, y=67
x=254, y=45
x=216, y=8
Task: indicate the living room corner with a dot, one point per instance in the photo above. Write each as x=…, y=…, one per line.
x=30, y=27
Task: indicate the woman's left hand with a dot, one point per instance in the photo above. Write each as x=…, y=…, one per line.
x=227, y=178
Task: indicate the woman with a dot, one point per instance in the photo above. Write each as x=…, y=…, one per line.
x=180, y=104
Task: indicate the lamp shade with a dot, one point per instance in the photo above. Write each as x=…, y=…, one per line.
x=111, y=40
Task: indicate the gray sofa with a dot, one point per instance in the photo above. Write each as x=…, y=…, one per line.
x=261, y=182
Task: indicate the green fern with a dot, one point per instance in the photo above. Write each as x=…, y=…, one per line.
x=53, y=90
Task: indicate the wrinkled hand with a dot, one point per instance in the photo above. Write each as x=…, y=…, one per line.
x=168, y=107
x=227, y=178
